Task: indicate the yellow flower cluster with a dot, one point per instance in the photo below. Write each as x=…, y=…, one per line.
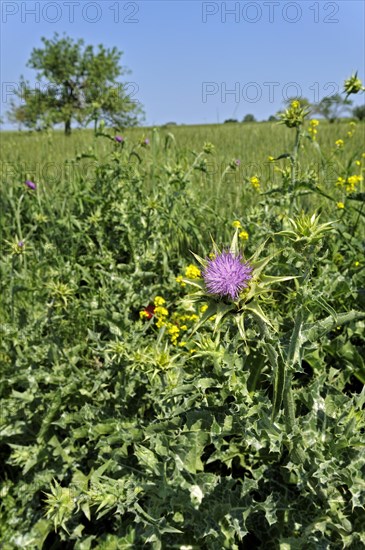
x=174, y=324
x=312, y=130
x=159, y=301
x=255, y=182
x=243, y=235
x=350, y=183
x=179, y=280
x=339, y=143
x=340, y=205
x=177, y=325
x=161, y=314
x=191, y=272
x=351, y=132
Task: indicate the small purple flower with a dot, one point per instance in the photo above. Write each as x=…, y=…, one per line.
x=119, y=139
x=238, y=162
x=20, y=244
x=226, y=275
x=30, y=184
x=146, y=141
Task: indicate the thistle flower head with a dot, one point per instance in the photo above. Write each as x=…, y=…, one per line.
x=119, y=139
x=226, y=275
x=353, y=85
x=30, y=184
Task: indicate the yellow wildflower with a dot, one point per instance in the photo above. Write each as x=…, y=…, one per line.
x=295, y=104
x=340, y=205
x=159, y=301
x=243, y=235
x=270, y=158
x=173, y=329
x=339, y=143
x=358, y=162
x=192, y=272
x=161, y=323
x=255, y=182
x=192, y=317
x=312, y=130
x=173, y=332
x=161, y=311
x=143, y=315
x=351, y=183
x=179, y=280
x=236, y=224
x=203, y=308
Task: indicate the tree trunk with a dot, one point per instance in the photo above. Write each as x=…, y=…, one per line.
x=68, y=127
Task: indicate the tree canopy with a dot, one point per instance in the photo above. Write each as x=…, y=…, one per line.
x=332, y=107
x=75, y=83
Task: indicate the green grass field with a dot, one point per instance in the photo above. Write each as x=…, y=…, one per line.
x=55, y=158
x=139, y=410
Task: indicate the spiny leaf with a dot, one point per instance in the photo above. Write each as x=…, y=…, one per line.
x=234, y=247
x=256, y=310
x=296, y=341
x=279, y=378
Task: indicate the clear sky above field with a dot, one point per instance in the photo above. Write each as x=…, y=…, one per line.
x=201, y=62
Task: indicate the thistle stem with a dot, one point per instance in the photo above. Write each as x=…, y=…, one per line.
x=294, y=161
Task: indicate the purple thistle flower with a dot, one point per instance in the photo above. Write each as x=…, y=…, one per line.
x=226, y=275
x=31, y=185
x=119, y=139
x=21, y=244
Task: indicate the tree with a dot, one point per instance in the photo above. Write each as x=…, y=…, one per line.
x=359, y=112
x=249, y=118
x=81, y=85
x=331, y=107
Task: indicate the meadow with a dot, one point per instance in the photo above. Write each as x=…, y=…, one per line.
x=138, y=408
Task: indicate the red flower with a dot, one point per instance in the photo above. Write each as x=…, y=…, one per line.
x=149, y=311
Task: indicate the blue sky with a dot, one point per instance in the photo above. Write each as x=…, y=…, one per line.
x=201, y=62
